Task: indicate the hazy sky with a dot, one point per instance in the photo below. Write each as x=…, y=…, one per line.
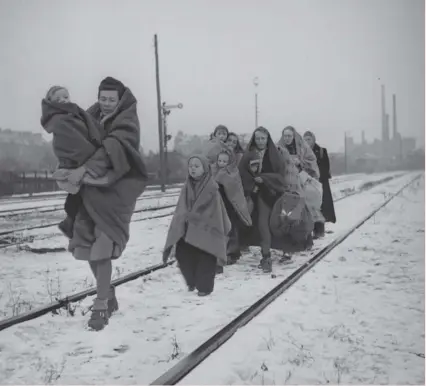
x=318, y=62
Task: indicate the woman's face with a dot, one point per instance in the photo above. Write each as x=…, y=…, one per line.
x=260, y=139
x=309, y=140
x=221, y=134
x=288, y=136
x=232, y=141
x=108, y=101
x=195, y=168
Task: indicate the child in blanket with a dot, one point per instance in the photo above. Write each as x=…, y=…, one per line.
x=60, y=95
x=254, y=169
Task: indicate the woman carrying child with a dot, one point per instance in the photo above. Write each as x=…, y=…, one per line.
x=199, y=228
x=226, y=173
x=99, y=158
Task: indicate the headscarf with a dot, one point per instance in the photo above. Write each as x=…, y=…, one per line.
x=52, y=91
x=238, y=149
x=309, y=133
x=195, y=187
x=217, y=128
x=307, y=158
x=112, y=84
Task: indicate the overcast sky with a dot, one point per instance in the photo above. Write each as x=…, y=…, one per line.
x=318, y=62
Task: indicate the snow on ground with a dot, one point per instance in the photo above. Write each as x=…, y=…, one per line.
x=28, y=280
x=21, y=205
x=355, y=318
x=38, y=217
x=158, y=321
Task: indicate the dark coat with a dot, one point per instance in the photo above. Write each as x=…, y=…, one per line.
x=323, y=162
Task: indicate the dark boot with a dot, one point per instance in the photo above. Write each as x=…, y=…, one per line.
x=266, y=264
x=66, y=227
x=219, y=269
x=232, y=259
x=99, y=318
x=203, y=293
x=319, y=230
x=286, y=259
x=112, y=302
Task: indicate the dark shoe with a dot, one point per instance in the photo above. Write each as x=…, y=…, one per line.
x=191, y=288
x=319, y=230
x=285, y=259
x=200, y=293
x=66, y=227
x=267, y=265
x=99, y=318
x=112, y=303
x=219, y=269
x=231, y=260
x=260, y=266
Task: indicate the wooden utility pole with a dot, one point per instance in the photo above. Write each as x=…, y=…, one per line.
x=160, y=117
x=256, y=109
x=346, y=155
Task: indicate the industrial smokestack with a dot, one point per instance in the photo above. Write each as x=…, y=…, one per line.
x=395, y=129
x=385, y=127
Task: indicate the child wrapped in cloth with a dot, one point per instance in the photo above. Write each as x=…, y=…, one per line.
x=199, y=228
x=109, y=175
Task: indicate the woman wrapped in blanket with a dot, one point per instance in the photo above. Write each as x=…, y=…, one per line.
x=109, y=178
x=230, y=187
x=234, y=145
x=262, y=173
x=199, y=228
x=306, y=162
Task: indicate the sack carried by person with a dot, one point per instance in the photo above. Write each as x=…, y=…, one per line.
x=312, y=189
x=287, y=213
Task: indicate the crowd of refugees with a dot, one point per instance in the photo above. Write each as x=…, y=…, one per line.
x=270, y=195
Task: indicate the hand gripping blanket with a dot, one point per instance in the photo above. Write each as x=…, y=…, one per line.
x=206, y=225
x=117, y=177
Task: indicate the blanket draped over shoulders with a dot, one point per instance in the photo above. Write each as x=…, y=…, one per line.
x=305, y=154
x=229, y=178
x=205, y=225
x=76, y=134
x=117, y=177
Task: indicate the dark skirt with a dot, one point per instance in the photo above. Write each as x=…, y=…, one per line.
x=197, y=266
x=327, y=207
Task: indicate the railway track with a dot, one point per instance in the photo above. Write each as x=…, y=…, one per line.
x=65, y=302
x=6, y=240
x=8, y=213
x=196, y=357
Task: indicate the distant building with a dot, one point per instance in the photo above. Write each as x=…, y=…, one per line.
x=21, y=137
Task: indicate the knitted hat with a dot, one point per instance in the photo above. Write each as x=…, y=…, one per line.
x=111, y=84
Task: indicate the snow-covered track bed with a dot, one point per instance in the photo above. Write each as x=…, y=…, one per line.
x=157, y=310
x=190, y=362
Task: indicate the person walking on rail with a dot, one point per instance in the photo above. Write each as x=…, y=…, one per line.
x=327, y=206
x=199, y=228
x=110, y=180
x=306, y=162
x=230, y=188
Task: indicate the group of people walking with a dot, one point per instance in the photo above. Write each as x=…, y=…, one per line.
x=268, y=195
x=275, y=196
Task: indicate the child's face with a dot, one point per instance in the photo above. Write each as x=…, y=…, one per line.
x=222, y=135
x=232, y=141
x=222, y=160
x=254, y=168
x=195, y=168
x=61, y=96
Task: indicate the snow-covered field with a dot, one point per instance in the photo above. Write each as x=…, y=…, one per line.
x=355, y=318
x=29, y=280
x=158, y=321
